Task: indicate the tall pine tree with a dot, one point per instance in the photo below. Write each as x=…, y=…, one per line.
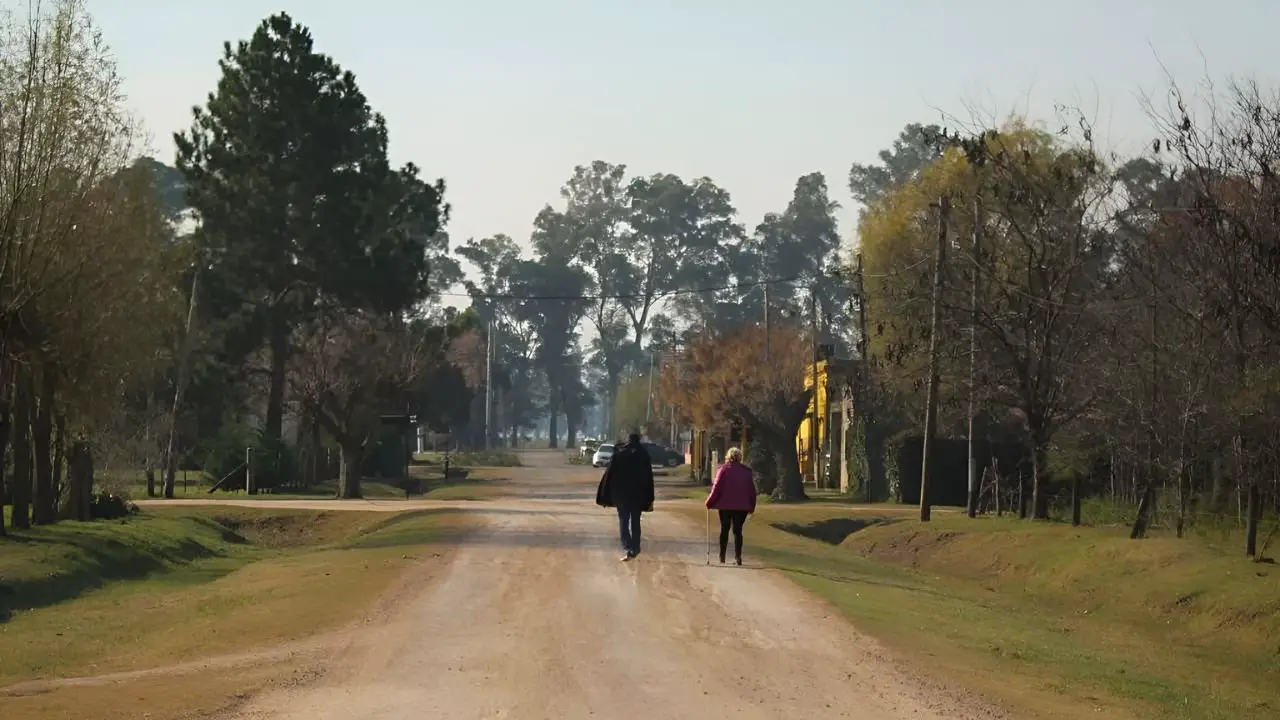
x=286, y=168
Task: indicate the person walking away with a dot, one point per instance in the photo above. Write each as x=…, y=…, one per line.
x=733, y=495
x=627, y=485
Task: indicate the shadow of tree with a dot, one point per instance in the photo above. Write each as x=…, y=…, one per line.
x=832, y=531
x=101, y=560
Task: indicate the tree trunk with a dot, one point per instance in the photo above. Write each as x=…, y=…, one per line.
x=1039, y=473
x=1143, y=519
x=80, y=482
x=21, y=491
x=273, y=428
x=873, y=437
x=613, y=380
x=1075, y=499
x=790, y=482
x=314, y=453
x=352, y=459
x=572, y=440
x=1254, y=514
x=45, y=500
x=4, y=442
x=553, y=424
x=1022, y=491
x=59, y=455
x=1184, y=492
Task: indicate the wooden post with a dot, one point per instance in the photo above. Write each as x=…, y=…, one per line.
x=766, y=322
x=248, y=471
x=931, y=407
x=184, y=370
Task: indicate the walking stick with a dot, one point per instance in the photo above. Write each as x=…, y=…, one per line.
x=708, y=536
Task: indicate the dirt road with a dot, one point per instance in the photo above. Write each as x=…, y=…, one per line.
x=536, y=618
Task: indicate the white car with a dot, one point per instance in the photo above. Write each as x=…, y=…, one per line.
x=603, y=455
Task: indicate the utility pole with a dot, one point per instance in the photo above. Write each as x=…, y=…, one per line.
x=1146, y=503
x=648, y=406
x=184, y=369
x=488, y=389
x=813, y=420
x=675, y=439
x=766, y=321
x=973, y=356
x=931, y=408
x=862, y=398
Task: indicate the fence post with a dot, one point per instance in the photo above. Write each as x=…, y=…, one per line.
x=248, y=471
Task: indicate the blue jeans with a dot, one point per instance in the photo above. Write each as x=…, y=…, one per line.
x=629, y=529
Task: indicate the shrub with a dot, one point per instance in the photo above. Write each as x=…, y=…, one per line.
x=106, y=506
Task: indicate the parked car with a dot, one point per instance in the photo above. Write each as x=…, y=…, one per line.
x=664, y=456
x=603, y=455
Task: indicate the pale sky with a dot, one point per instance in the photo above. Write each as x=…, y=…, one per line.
x=503, y=97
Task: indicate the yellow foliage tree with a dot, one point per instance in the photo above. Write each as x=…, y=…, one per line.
x=1043, y=207
x=729, y=376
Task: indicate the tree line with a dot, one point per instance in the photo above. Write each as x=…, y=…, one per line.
x=279, y=287
x=1111, y=316
x=156, y=317
x=1102, y=327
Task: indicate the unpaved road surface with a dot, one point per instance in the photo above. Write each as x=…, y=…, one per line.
x=536, y=618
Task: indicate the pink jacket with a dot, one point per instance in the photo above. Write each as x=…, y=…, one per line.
x=733, y=489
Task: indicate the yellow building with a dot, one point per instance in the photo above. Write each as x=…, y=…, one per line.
x=818, y=441
x=813, y=431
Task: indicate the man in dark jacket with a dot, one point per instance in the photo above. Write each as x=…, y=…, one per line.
x=628, y=486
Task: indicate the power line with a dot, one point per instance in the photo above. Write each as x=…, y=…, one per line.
x=625, y=296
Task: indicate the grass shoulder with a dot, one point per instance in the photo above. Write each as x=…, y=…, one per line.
x=476, y=475
x=177, y=584
x=1045, y=618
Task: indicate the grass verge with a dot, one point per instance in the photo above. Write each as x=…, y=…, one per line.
x=472, y=476
x=471, y=458
x=1053, y=622
x=175, y=585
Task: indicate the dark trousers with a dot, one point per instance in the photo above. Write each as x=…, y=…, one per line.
x=629, y=529
x=731, y=520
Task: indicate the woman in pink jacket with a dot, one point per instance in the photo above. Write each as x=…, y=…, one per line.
x=733, y=494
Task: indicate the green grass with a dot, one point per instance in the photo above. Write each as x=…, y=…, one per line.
x=471, y=459
x=1053, y=621
x=165, y=586
x=428, y=466
x=485, y=483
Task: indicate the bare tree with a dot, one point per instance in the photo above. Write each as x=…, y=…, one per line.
x=81, y=266
x=350, y=368
x=725, y=377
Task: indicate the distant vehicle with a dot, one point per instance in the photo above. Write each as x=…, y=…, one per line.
x=663, y=456
x=603, y=455
x=588, y=447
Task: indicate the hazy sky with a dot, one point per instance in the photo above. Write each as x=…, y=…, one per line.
x=503, y=97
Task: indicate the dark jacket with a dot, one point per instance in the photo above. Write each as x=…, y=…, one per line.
x=628, y=481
